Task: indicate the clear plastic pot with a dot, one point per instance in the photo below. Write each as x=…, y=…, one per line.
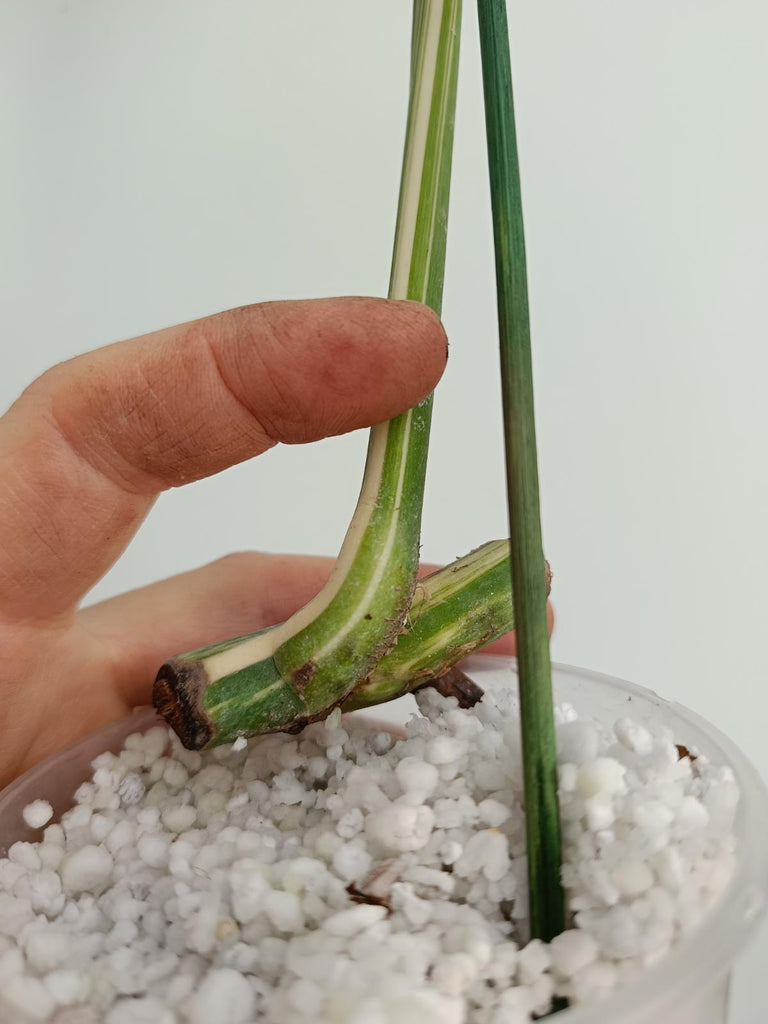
x=690, y=986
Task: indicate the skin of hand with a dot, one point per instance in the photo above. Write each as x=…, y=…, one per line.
x=89, y=446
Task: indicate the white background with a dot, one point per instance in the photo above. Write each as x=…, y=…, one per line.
x=162, y=159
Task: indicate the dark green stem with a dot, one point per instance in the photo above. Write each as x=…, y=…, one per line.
x=529, y=595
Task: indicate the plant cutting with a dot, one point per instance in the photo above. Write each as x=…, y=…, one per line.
x=352, y=874
x=330, y=653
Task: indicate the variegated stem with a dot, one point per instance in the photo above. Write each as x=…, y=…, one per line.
x=454, y=611
x=298, y=671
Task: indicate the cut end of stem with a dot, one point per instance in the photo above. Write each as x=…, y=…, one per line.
x=177, y=697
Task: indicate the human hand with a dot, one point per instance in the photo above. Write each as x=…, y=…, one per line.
x=90, y=445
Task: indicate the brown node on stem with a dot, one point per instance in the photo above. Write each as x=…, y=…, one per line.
x=176, y=698
x=304, y=674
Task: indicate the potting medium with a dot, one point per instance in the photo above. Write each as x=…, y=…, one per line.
x=349, y=875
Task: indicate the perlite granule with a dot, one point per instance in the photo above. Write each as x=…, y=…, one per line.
x=341, y=875
x=37, y=814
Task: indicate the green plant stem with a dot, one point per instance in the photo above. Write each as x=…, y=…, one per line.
x=537, y=720
x=454, y=611
x=300, y=670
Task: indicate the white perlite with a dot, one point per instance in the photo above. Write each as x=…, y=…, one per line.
x=37, y=814
x=340, y=875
